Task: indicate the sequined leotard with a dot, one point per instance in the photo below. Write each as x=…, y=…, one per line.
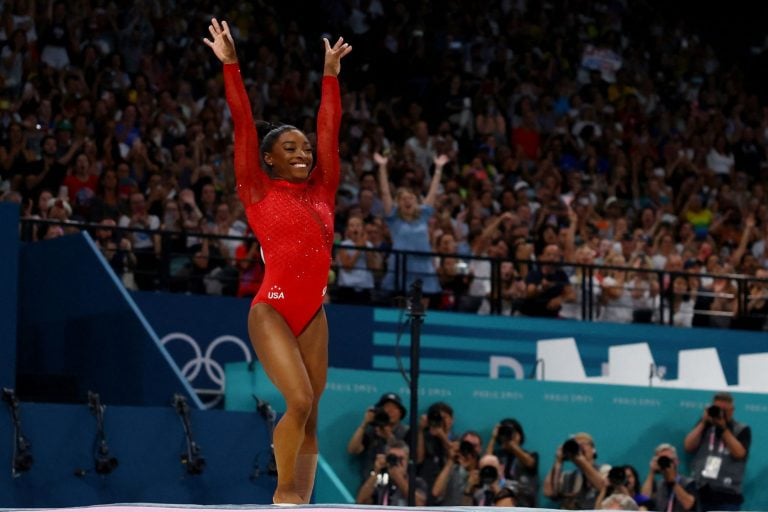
x=292, y=221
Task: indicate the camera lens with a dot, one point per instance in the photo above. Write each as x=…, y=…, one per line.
x=714, y=411
x=434, y=418
x=466, y=448
x=571, y=448
x=393, y=460
x=488, y=475
x=505, y=433
x=617, y=476
x=664, y=462
x=380, y=418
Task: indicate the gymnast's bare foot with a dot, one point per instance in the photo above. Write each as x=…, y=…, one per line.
x=286, y=498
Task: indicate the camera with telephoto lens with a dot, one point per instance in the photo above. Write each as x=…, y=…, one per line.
x=467, y=449
x=434, y=418
x=504, y=433
x=488, y=475
x=393, y=460
x=664, y=462
x=617, y=476
x=715, y=412
x=380, y=417
x=570, y=449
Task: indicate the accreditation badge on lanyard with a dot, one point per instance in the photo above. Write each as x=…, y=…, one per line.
x=713, y=462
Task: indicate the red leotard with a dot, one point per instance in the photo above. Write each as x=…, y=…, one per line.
x=292, y=221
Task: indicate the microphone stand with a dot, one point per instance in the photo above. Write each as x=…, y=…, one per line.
x=416, y=314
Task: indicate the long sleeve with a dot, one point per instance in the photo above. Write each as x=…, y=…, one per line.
x=251, y=179
x=326, y=174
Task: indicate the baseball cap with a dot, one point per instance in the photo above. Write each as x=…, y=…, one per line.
x=395, y=399
x=521, y=185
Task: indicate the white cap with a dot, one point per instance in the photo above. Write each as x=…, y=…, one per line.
x=521, y=185
x=64, y=204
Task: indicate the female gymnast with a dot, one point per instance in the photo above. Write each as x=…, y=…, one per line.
x=289, y=206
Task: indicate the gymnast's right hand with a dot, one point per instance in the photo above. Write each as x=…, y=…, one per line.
x=222, y=44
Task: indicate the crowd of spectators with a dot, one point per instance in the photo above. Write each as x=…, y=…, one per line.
x=539, y=133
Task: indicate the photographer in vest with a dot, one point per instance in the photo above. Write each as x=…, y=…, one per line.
x=720, y=446
x=668, y=489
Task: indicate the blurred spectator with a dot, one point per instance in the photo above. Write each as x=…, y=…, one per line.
x=388, y=484
x=407, y=221
x=356, y=267
x=489, y=489
x=719, y=446
x=146, y=245
x=519, y=467
x=434, y=439
x=452, y=484
x=547, y=285
x=578, y=488
x=674, y=492
x=382, y=423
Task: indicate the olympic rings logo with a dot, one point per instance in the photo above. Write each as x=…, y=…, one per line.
x=200, y=362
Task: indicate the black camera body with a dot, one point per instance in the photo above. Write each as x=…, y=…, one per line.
x=504, y=433
x=380, y=417
x=617, y=476
x=488, y=475
x=664, y=462
x=570, y=449
x=434, y=418
x=715, y=412
x=393, y=460
x=467, y=449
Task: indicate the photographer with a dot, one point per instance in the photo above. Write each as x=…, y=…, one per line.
x=520, y=467
x=387, y=483
x=381, y=424
x=578, y=488
x=486, y=486
x=675, y=492
x=720, y=447
x=433, y=441
x=619, y=484
x=451, y=483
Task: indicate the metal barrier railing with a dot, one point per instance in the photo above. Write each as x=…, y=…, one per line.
x=168, y=268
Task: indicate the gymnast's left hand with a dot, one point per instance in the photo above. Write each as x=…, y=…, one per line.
x=333, y=56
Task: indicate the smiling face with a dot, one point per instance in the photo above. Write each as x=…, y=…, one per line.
x=291, y=156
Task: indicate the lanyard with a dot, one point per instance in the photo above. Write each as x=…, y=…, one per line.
x=721, y=445
x=671, y=500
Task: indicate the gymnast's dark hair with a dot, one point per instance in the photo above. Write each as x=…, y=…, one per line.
x=268, y=135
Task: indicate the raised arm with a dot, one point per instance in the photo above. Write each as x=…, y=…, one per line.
x=326, y=173
x=440, y=162
x=386, y=194
x=251, y=179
